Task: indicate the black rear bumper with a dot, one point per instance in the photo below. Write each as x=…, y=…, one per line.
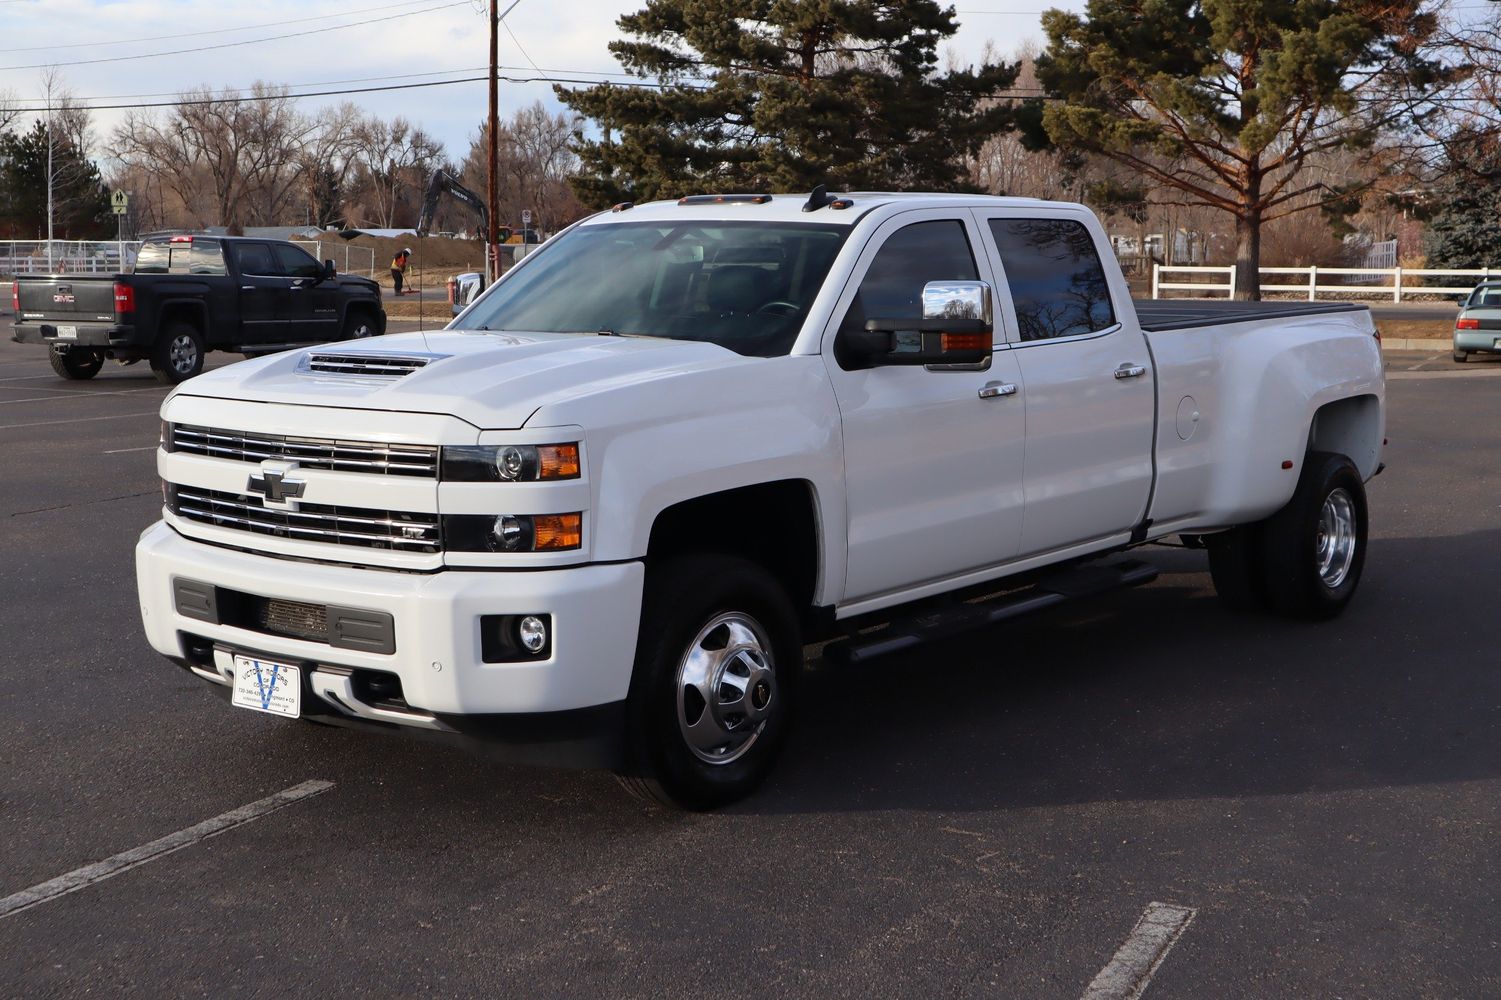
x=122, y=341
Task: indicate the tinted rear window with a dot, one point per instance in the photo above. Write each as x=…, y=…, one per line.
x=1057, y=282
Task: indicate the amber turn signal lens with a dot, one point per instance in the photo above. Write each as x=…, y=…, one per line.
x=965, y=341
x=557, y=531
x=558, y=461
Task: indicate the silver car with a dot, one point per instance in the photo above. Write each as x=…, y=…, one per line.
x=1478, y=326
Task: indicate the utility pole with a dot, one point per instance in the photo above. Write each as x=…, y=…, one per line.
x=492, y=201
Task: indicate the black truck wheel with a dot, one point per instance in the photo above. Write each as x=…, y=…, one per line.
x=177, y=354
x=358, y=325
x=717, y=665
x=1314, y=548
x=77, y=364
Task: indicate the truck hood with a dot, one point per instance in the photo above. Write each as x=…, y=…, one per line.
x=495, y=381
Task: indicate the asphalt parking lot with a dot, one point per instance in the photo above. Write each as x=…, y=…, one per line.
x=984, y=818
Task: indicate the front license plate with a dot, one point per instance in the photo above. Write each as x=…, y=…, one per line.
x=68, y=332
x=268, y=686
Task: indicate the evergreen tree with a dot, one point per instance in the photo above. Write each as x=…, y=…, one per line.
x=1224, y=102
x=782, y=95
x=80, y=200
x=1465, y=232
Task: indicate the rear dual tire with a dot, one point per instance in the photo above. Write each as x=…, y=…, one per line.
x=1304, y=561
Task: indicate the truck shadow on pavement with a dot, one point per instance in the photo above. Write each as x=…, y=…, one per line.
x=1161, y=693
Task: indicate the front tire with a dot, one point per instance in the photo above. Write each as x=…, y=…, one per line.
x=177, y=354
x=358, y=326
x=77, y=365
x=1315, y=546
x=717, y=666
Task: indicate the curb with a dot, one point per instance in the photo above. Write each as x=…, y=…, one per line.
x=1415, y=344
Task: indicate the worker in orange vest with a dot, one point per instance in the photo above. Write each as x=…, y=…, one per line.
x=399, y=268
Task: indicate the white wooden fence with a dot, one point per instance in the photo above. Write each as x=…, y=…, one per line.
x=1393, y=282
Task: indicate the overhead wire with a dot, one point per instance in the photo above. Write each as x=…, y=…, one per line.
x=246, y=41
x=211, y=31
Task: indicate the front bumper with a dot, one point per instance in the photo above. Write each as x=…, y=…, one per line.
x=1477, y=340
x=447, y=687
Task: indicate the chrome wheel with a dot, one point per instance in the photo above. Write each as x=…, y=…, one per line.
x=726, y=688
x=183, y=354
x=1336, y=539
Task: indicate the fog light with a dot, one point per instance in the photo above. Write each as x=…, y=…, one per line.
x=532, y=632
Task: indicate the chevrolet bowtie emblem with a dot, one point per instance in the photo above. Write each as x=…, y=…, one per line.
x=275, y=486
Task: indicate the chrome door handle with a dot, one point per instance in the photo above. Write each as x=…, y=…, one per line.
x=1130, y=371
x=993, y=389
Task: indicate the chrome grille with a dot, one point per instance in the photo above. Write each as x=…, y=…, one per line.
x=367, y=365
x=309, y=453
x=402, y=531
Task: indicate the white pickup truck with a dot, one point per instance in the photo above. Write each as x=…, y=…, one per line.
x=597, y=519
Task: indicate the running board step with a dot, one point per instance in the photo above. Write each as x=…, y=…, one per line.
x=1051, y=591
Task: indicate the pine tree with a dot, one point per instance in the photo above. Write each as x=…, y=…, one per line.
x=782, y=95
x=81, y=208
x=1465, y=232
x=1225, y=102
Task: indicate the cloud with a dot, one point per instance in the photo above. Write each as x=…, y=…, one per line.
x=560, y=37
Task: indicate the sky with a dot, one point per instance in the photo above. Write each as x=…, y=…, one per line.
x=349, y=44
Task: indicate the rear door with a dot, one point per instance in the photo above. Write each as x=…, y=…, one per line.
x=1090, y=396
x=313, y=304
x=264, y=293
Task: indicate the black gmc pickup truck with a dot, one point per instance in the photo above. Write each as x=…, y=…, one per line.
x=191, y=294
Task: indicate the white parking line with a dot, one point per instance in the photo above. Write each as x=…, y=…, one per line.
x=80, y=420
x=1127, y=974
x=73, y=394
x=82, y=878
x=121, y=451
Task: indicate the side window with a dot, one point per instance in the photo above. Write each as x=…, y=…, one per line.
x=206, y=258
x=255, y=258
x=296, y=262
x=910, y=258
x=1057, y=283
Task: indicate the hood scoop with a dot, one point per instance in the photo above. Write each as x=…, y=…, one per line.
x=364, y=364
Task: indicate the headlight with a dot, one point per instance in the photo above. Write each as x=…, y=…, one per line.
x=510, y=463
x=512, y=532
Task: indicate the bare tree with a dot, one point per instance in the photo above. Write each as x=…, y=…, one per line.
x=534, y=163
x=394, y=159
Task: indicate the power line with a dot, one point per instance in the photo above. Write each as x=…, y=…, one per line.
x=213, y=31
x=250, y=98
x=247, y=41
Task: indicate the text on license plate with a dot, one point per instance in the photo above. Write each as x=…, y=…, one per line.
x=69, y=332
x=268, y=686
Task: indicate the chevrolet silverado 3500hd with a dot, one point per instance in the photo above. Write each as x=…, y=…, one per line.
x=597, y=518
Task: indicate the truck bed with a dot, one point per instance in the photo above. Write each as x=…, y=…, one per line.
x=1161, y=315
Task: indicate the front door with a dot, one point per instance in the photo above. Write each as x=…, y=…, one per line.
x=1091, y=398
x=933, y=469
x=312, y=314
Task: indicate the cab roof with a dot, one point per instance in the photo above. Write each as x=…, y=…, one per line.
x=843, y=208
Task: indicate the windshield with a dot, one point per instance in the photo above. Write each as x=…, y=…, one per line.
x=742, y=285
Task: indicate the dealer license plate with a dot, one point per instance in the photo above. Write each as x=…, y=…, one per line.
x=268, y=686
x=68, y=332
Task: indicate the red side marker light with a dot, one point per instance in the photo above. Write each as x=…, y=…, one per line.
x=1287, y=463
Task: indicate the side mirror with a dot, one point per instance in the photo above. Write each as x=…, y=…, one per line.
x=329, y=270
x=956, y=329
